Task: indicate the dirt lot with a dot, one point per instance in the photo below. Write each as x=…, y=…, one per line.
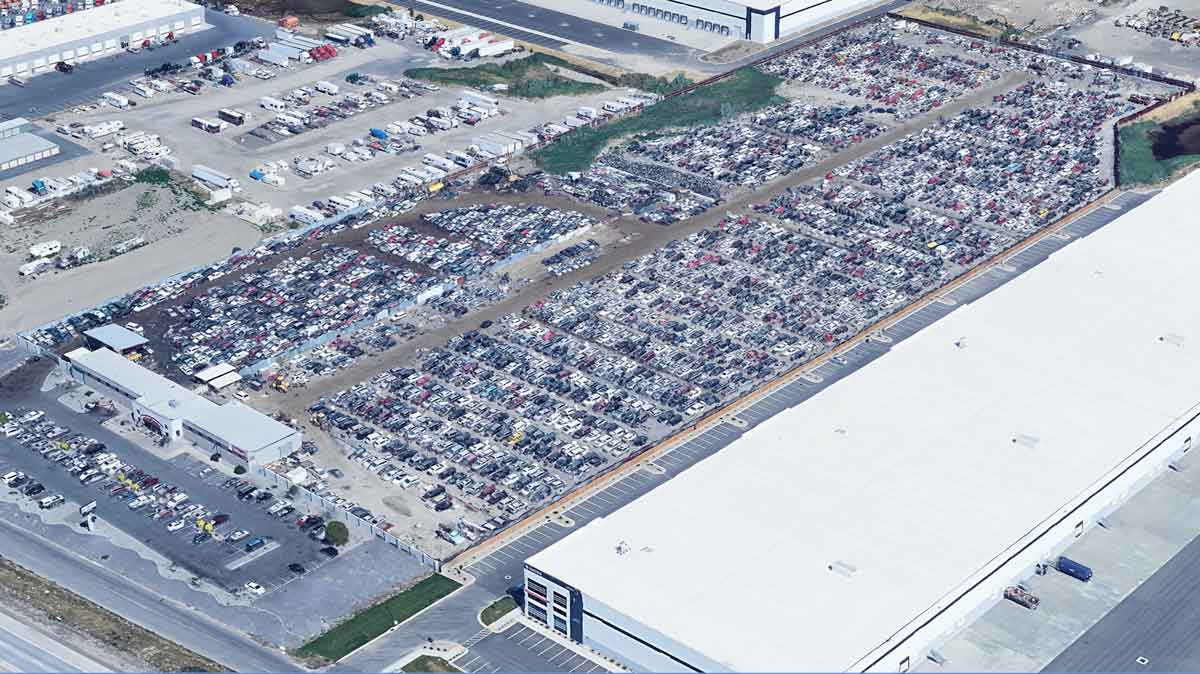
x=81, y=622
x=180, y=236
x=156, y=321
x=236, y=152
x=992, y=16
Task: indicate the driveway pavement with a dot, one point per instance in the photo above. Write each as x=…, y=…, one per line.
x=49, y=93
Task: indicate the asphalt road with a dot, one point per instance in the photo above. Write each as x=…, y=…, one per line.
x=24, y=648
x=134, y=602
x=570, y=27
x=49, y=93
x=566, y=28
x=1158, y=622
x=209, y=559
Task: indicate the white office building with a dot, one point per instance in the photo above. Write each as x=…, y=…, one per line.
x=862, y=527
x=241, y=434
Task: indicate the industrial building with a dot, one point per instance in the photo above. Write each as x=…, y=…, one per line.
x=19, y=147
x=114, y=337
x=757, y=20
x=102, y=31
x=242, y=435
x=860, y=528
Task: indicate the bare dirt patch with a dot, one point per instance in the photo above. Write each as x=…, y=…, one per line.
x=993, y=18
x=733, y=52
x=50, y=603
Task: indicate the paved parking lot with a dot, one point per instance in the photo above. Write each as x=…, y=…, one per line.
x=551, y=22
x=520, y=649
x=221, y=562
x=503, y=568
x=47, y=94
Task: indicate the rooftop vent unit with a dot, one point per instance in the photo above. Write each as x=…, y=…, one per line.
x=844, y=569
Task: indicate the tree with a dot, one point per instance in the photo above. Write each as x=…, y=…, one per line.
x=216, y=456
x=239, y=470
x=336, y=533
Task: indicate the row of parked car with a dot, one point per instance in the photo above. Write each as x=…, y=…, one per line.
x=91, y=463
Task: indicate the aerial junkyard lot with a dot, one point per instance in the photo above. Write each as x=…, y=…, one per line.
x=923, y=155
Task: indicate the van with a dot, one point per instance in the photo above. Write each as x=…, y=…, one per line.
x=51, y=502
x=272, y=104
x=255, y=543
x=1073, y=569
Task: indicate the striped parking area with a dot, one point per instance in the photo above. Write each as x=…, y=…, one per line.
x=520, y=648
x=688, y=454
x=848, y=361
x=484, y=24
x=503, y=568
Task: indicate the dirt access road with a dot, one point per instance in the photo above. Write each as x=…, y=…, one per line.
x=641, y=238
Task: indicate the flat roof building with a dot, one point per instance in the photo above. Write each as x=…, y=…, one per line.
x=241, y=434
x=756, y=20
x=36, y=48
x=114, y=337
x=25, y=148
x=18, y=147
x=14, y=126
x=857, y=529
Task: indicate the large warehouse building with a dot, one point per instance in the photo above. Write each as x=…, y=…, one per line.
x=241, y=434
x=35, y=48
x=18, y=146
x=756, y=20
x=858, y=529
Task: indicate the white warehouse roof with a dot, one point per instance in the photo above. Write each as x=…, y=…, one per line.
x=233, y=422
x=920, y=469
x=82, y=25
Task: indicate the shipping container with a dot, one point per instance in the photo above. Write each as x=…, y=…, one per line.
x=1073, y=569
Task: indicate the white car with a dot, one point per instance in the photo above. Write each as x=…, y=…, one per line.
x=175, y=525
x=254, y=588
x=238, y=535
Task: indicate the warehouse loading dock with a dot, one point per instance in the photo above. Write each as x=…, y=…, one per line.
x=103, y=31
x=1055, y=420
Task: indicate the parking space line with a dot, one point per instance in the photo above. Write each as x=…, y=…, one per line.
x=585, y=663
x=535, y=634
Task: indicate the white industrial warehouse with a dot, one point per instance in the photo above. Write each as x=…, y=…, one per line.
x=241, y=434
x=860, y=528
x=757, y=20
x=101, y=31
x=19, y=147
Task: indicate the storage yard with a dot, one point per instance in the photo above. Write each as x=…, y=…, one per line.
x=465, y=338
x=907, y=187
